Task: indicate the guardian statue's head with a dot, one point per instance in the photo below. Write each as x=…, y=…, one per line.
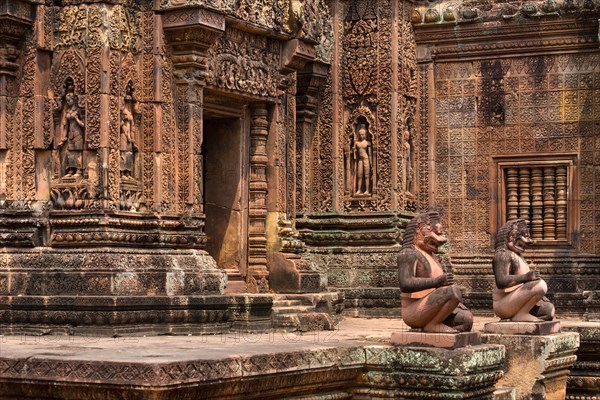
x=514, y=236
x=424, y=232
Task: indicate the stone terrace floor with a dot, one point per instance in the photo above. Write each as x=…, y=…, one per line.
x=349, y=332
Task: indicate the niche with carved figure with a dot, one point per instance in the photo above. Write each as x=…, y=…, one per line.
x=70, y=133
x=129, y=151
x=360, y=158
x=409, y=157
x=129, y=127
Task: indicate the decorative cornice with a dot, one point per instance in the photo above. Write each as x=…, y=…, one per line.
x=575, y=32
x=452, y=12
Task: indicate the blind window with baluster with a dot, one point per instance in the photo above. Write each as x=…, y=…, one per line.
x=539, y=191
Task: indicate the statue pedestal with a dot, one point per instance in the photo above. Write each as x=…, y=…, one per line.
x=418, y=372
x=537, y=366
x=523, y=328
x=584, y=378
x=442, y=340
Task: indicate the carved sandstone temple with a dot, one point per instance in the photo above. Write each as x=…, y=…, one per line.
x=153, y=153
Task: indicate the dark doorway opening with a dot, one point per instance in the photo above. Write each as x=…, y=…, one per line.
x=225, y=198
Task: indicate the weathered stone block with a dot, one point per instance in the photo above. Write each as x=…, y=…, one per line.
x=522, y=328
x=537, y=366
x=410, y=372
x=443, y=340
x=584, y=379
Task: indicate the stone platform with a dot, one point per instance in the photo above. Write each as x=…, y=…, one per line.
x=115, y=291
x=356, y=361
x=584, y=379
x=442, y=340
x=522, y=328
x=537, y=366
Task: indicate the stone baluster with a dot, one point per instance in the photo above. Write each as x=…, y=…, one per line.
x=549, y=204
x=512, y=193
x=257, y=240
x=524, y=193
x=561, y=202
x=537, y=203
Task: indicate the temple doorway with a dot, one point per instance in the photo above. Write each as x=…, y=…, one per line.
x=226, y=193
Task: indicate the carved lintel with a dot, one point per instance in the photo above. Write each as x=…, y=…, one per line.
x=295, y=54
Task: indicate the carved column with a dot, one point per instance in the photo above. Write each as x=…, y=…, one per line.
x=524, y=193
x=549, y=203
x=190, y=33
x=15, y=20
x=537, y=203
x=512, y=193
x=310, y=80
x=18, y=126
x=561, y=202
x=257, y=240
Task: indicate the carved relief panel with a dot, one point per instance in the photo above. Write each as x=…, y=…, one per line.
x=74, y=159
x=359, y=75
x=537, y=105
x=245, y=63
x=359, y=155
x=97, y=116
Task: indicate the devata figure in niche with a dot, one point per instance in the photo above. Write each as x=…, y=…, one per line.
x=363, y=155
x=408, y=161
x=71, y=133
x=128, y=145
x=519, y=294
x=430, y=299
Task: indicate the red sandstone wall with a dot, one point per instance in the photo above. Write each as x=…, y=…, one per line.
x=521, y=105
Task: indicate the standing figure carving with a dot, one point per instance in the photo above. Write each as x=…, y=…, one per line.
x=71, y=135
x=128, y=144
x=408, y=161
x=519, y=294
x=430, y=299
x=363, y=160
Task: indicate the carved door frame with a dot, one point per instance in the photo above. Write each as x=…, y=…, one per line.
x=237, y=110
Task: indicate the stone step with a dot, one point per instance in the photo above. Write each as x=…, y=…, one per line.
x=286, y=303
x=287, y=322
x=505, y=393
x=298, y=309
x=235, y=287
x=235, y=282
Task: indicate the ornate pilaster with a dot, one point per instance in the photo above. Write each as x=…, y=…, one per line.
x=191, y=34
x=257, y=240
x=311, y=80
x=19, y=226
